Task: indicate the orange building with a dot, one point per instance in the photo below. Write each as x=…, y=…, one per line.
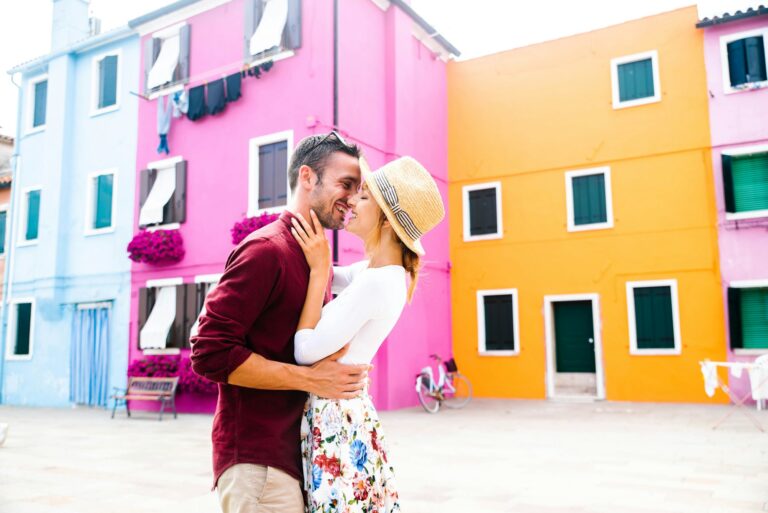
x=583, y=233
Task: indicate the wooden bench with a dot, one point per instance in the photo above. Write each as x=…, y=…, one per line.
x=147, y=389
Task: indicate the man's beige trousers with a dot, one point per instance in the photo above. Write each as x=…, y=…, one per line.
x=248, y=488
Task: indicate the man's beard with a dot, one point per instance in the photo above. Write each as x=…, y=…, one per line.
x=324, y=214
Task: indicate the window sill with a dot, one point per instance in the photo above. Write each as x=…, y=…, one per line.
x=25, y=243
x=18, y=358
x=100, y=231
x=636, y=103
x=35, y=130
x=169, y=226
x=279, y=56
x=490, y=236
x=268, y=211
x=655, y=352
x=105, y=110
x=499, y=353
x=744, y=88
x=159, y=352
x=589, y=227
x=739, y=216
x=750, y=352
x=165, y=91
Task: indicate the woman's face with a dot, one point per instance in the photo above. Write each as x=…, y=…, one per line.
x=364, y=214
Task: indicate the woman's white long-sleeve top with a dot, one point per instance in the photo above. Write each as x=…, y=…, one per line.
x=368, y=305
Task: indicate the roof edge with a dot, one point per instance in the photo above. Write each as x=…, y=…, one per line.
x=727, y=17
x=429, y=29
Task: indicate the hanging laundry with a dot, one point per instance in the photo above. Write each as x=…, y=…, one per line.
x=233, y=87
x=254, y=72
x=217, y=100
x=197, y=108
x=164, y=112
x=267, y=66
x=180, y=103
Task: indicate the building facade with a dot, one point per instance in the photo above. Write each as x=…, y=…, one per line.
x=6, y=181
x=735, y=51
x=272, y=73
x=65, y=328
x=582, y=209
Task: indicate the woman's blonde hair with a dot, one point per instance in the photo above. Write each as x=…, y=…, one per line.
x=411, y=260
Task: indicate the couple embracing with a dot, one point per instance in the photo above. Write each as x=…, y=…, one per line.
x=270, y=333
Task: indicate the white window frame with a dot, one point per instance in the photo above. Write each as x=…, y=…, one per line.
x=159, y=165
x=633, y=349
x=90, y=195
x=30, y=105
x=5, y=207
x=171, y=87
x=11, y=332
x=569, y=176
x=253, y=171
x=465, y=200
x=740, y=152
x=724, y=40
x=481, y=349
x=95, y=79
x=24, y=217
x=748, y=284
x=616, y=62
x=156, y=284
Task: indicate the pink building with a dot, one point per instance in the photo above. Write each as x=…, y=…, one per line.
x=367, y=67
x=736, y=47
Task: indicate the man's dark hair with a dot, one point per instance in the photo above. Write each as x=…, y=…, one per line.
x=313, y=151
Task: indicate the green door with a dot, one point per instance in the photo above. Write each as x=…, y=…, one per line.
x=574, y=336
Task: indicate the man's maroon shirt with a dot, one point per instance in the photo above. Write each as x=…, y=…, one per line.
x=255, y=308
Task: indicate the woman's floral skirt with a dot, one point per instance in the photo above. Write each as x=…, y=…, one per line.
x=345, y=459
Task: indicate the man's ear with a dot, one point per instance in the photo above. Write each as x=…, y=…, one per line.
x=306, y=177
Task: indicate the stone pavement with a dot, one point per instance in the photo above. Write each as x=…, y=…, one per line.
x=494, y=456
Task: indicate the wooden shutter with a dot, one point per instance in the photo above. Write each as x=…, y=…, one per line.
x=41, y=100
x=482, y=211
x=107, y=81
x=3, y=222
x=737, y=65
x=190, y=311
x=33, y=215
x=273, y=180
x=23, y=328
x=754, y=318
x=176, y=333
x=182, y=70
x=152, y=47
x=589, y=199
x=147, y=179
x=749, y=175
x=253, y=12
x=146, y=303
x=734, y=318
x=499, y=323
x=635, y=80
x=730, y=201
x=754, y=53
x=292, y=30
x=179, y=198
x=654, y=323
x=104, y=190
x=281, y=174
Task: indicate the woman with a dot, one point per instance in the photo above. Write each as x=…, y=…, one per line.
x=345, y=460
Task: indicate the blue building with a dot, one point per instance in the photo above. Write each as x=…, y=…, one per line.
x=65, y=325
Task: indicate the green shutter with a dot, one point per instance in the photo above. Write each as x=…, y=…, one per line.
x=737, y=63
x=103, y=210
x=635, y=80
x=499, y=323
x=23, y=328
x=33, y=215
x=754, y=49
x=589, y=199
x=41, y=98
x=754, y=318
x=750, y=182
x=108, y=81
x=654, y=324
x=3, y=221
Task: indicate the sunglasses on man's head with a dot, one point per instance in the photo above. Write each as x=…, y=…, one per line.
x=327, y=137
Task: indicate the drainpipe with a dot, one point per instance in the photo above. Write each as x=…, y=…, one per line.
x=335, y=102
x=8, y=272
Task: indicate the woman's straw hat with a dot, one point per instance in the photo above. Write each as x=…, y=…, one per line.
x=409, y=197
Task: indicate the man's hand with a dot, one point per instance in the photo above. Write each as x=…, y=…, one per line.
x=333, y=380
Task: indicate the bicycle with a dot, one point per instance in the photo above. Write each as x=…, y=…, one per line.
x=451, y=388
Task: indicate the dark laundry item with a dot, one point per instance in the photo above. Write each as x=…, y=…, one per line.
x=243, y=73
x=254, y=72
x=197, y=108
x=233, y=87
x=163, y=147
x=267, y=65
x=217, y=100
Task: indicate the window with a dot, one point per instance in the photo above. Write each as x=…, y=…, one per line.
x=744, y=60
x=37, y=104
x=105, y=83
x=588, y=199
x=3, y=227
x=635, y=79
x=30, y=216
x=272, y=29
x=745, y=182
x=482, y=211
x=268, y=173
x=654, y=317
x=21, y=329
x=100, y=204
x=162, y=193
x=166, y=58
x=748, y=316
x=497, y=322
x=203, y=286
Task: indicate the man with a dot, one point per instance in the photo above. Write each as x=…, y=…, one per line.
x=245, y=341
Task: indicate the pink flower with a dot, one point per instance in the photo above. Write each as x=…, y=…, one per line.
x=243, y=228
x=156, y=247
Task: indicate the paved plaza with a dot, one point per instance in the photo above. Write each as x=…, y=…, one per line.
x=494, y=456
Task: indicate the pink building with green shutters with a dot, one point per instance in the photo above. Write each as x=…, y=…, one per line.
x=736, y=51
x=373, y=69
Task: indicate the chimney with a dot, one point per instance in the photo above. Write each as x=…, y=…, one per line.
x=70, y=23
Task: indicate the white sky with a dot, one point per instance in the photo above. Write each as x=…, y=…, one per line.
x=475, y=27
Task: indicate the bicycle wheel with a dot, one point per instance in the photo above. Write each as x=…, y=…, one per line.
x=428, y=401
x=457, y=390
